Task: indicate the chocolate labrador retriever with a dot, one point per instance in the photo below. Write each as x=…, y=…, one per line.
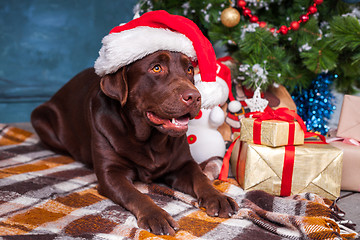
x=131, y=126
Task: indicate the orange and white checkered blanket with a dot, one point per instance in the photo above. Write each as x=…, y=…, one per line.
x=44, y=195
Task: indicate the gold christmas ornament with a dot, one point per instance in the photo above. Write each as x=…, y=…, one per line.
x=230, y=17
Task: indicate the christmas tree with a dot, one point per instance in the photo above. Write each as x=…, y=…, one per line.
x=286, y=42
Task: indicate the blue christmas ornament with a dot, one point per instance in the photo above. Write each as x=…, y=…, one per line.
x=315, y=104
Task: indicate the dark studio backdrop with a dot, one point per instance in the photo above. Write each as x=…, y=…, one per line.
x=44, y=43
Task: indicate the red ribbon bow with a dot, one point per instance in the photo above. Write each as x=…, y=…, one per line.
x=282, y=114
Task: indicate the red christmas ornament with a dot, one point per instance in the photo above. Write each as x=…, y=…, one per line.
x=295, y=25
x=312, y=10
x=246, y=12
x=304, y=18
x=318, y=2
x=254, y=19
x=262, y=24
x=241, y=3
x=283, y=30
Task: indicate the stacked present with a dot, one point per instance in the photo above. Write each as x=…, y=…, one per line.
x=272, y=156
x=348, y=139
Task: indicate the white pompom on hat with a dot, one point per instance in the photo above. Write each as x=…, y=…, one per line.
x=155, y=31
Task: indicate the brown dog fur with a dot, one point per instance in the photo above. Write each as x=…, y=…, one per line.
x=120, y=125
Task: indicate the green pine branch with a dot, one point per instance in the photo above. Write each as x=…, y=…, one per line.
x=345, y=33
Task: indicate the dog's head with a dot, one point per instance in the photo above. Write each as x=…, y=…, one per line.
x=159, y=88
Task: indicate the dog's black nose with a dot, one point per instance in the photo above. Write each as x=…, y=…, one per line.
x=190, y=96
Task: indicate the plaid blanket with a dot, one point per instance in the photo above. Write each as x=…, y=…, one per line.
x=44, y=195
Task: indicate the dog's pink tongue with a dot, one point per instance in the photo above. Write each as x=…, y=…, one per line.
x=181, y=121
x=179, y=124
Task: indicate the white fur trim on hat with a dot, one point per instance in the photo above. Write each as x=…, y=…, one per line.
x=122, y=48
x=212, y=93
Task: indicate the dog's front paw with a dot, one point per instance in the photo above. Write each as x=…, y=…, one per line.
x=219, y=205
x=158, y=222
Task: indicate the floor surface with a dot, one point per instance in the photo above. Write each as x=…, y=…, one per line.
x=349, y=202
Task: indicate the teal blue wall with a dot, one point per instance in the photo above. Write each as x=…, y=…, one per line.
x=43, y=43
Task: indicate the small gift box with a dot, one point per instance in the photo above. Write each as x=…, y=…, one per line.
x=273, y=128
x=288, y=170
x=350, y=180
x=349, y=122
x=273, y=133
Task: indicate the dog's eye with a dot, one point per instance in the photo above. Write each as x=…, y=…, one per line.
x=157, y=68
x=190, y=70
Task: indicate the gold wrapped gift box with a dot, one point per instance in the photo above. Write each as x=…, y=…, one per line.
x=317, y=168
x=274, y=133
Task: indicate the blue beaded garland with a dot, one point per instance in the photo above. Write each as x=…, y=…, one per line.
x=315, y=104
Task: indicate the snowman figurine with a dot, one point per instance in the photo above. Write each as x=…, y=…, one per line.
x=207, y=146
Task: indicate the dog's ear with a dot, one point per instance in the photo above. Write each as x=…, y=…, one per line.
x=115, y=85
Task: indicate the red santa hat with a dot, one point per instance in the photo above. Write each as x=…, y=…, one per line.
x=154, y=31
